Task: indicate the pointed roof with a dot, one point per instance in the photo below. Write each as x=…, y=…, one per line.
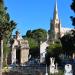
x=55, y=15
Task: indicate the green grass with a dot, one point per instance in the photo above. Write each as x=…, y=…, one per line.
x=61, y=72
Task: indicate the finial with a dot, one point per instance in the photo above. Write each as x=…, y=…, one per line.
x=56, y=4
x=55, y=11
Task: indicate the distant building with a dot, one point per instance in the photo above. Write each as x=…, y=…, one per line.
x=19, y=49
x=56, y=31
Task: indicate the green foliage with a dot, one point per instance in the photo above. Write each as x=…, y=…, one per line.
x=6, y=25
x=61, y=72
x=38, y=34
x=68, y=42
x=73, y=8
x=6, y=48
x=34, y=49
x=54, y=49
x=32, y=43
x=34, y=37
x=29, y=33
x=6, y=28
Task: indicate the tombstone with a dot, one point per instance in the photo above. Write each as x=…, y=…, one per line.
x=56, y=68
x=68, y=69
x=52, y=65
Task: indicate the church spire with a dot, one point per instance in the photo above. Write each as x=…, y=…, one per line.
x=55, y=16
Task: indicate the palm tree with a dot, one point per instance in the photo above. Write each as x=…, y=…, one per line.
x=6, y=27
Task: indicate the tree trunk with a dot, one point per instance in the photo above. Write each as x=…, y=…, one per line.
x=1, y=57
x=6, y=59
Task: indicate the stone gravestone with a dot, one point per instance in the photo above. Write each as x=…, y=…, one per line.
x=52, y=65
x=56, y=68
x=68, y=69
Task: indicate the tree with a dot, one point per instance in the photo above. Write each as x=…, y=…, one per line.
x=39, y=35
x=53, y=50
x=34, y=37
x=34, y=50
x=29, y=33
x=68, y=42
x=73, y=8
x=6, y=27
x=6, y=50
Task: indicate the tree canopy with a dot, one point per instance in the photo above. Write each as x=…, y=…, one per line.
x=54, y=50
x=6, y=24
x=68, y=42
x=37, y=34
x=73, y=8
x=34, y=37
x=6, y=27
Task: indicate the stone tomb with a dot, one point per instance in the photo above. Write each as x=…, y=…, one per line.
x=19, y=50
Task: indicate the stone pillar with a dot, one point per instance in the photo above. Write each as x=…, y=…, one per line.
x=13, y=55
x=24, y=55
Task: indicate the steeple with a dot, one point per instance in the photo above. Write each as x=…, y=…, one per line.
x=55, y=15
x=55, y=25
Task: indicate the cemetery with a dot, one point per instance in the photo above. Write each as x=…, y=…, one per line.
x=39, y=51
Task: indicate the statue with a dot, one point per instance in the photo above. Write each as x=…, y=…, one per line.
x=52, y=65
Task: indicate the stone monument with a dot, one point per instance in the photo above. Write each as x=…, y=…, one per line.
x=56, y=68
x=68, y=69
x=19, y=49
x=52, y=65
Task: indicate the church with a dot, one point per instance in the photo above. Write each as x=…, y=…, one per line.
x=55, y=32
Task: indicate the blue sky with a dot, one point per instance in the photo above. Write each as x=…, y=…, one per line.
x=34, y=14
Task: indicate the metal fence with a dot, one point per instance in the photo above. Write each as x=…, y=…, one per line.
x=30, y=70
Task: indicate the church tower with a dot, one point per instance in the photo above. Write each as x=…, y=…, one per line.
x=55, y=25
